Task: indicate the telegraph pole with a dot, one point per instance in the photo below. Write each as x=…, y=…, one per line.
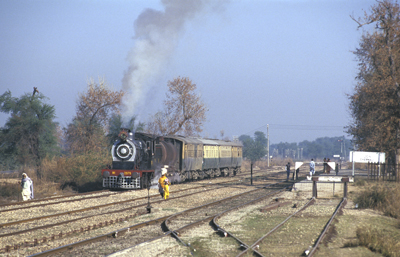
x=268, y=144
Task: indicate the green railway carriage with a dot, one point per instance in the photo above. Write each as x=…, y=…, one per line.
x=237, y=155
x=211, y=154
x=199, y=158
x=190, y=151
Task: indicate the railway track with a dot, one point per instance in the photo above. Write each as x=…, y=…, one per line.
x=97, y=216
x=44, y=202
x=63, y=224
x=263, y=246
x=149, y=230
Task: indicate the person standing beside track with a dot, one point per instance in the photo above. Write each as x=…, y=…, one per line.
x=163, y=184
x=27, y=187
x=312, y=167
x=288, y=171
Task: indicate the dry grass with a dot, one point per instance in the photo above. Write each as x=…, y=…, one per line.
x=10, y=188
x=379, y=234
x=379, y=241
x=384, y=197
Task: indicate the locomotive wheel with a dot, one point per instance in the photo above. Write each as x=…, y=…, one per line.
x=183, y=177
x=201, y=174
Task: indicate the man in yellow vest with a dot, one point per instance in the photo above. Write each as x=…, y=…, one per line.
x=163, y=184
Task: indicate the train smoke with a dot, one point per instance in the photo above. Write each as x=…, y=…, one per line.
x=156, y=36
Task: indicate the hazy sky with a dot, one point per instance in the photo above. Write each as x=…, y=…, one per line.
x=255, y=62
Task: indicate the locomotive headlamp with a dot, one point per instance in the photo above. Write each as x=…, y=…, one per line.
x=124, y=151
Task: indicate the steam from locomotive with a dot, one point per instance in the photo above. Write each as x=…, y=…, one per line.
x=157, y=34
x=138, y=157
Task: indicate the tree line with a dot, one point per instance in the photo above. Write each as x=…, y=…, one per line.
x=75, y=154
x=320, y=148
x=255, y=148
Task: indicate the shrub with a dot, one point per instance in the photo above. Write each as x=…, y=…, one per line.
x=9, y=190
x=384, y=197
x=378, y=240
x=359, y=182
x=82, y=169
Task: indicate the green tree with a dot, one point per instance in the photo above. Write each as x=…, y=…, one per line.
x=30, y=134
x=375, y=104
x=254, y=149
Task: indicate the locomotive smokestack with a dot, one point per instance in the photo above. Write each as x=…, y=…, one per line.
x=123, y=134
x=156, y=36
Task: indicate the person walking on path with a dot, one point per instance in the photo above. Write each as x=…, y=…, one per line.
x=27, y=187
x=288, y=171
x=312, y=167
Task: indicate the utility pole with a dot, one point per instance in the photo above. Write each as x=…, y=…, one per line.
x=344, y=147
x=268, y=144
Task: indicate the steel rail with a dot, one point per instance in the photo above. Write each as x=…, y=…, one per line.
x=114, y=234
x=36, y=242
x=110, y=212
x=52, y=198
x=322, y=235
x=210, y=204
x=274, y=229
x=225, y=232
x=175, y=233
x=73, y=245
x=86, y=198
x=52, y=203
x=72, y=195
x=82, y=194
x=133, y=207
x=254, y=245
x=94, y=207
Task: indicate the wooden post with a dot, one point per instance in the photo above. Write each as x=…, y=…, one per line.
x=251, y=173
x=397, y=165
x=314, y=188
x=346, y=181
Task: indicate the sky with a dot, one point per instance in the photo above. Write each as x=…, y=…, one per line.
x=285, y=65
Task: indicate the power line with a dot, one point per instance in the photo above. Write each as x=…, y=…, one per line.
x=296, y=127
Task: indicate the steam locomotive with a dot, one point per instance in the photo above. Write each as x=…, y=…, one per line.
x=137, y=159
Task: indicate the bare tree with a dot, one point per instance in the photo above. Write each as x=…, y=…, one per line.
x=184, y=111
x=94, y=109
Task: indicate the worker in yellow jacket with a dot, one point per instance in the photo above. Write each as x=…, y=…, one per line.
x=163, y=184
